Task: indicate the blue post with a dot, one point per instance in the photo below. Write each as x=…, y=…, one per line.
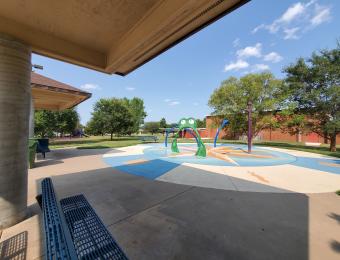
x=224, y=123
x=167, y=131
x=166, y=138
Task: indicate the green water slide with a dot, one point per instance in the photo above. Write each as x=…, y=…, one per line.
x=189, y=123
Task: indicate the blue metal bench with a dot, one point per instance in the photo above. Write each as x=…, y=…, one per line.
x=149, y=138
x=73, y=230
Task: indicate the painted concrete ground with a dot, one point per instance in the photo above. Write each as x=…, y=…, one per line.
x=229, y=167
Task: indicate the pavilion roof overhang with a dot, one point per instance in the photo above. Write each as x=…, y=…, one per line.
x=111, y=36
x=50, y=94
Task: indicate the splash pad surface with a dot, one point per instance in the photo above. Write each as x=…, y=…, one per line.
x=229, y=166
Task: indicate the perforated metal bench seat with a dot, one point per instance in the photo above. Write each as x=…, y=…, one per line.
x=73, y=230
x=90, y=237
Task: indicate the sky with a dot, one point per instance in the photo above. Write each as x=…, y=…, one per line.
x=261, y=35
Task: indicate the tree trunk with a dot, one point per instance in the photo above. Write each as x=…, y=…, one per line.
x=111, y=136
x=325, y=139
x=332, y=147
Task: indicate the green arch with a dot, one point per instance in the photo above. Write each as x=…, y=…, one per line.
x=189, y=123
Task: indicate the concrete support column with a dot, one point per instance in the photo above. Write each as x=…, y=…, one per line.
x=31, y=121
x=15, y=92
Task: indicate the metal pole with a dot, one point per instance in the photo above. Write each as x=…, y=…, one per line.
x=250, y=134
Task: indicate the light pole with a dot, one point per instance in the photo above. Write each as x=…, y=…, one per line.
x=250, y=134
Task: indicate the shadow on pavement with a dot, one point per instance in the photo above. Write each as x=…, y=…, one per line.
x=60, y=154
x=14, y=247
x=46, y=162
x=160, y=220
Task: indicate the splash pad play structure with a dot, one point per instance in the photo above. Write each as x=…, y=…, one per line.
x=223, y=152
x=189, y=123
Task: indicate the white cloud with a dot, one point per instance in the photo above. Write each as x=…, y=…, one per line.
x=293, y=12
x=250, y=51
x=322, y=14
x=236, y=42
x=257, y=28
x=291, y=33
x=260, y=67
x=273, y=57
x=174, y=103
x=89, y=86
x=130, y=88
x=239, y=64
x=299, y=17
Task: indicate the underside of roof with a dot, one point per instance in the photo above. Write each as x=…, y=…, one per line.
x=50, y=94
x=112, y=36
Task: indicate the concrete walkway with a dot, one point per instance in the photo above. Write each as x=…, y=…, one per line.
x=160, y=220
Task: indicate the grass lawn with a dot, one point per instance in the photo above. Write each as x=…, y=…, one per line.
x=94, y=142
x=323, y=149
x=98, y=142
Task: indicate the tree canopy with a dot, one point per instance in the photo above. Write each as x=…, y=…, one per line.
x=112, y=116
x=137, y=111
x=230, y=101
x=151, y=127
x=313, y=85
x=46, y=123
x=162, y=123
x=116, y=116
x=201, y=123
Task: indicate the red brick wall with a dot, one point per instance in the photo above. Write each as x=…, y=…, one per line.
x=212, y=124
x=276, y=135
x=265, y=135
x=203, y=133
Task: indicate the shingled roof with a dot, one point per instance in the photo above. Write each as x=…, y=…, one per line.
x=54, y=95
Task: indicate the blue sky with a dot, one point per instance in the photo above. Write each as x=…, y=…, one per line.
x=178, y=83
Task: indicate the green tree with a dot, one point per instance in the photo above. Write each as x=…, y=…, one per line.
x=47, y=122
x=201, y=123
x=151, y=127
x=137, y=110
x=66, y=121
x=293, y=123
x=96, y=125
x=163, y=123
x=112, y=116
x=231, y=98
x=313, y=86
x=44, y=123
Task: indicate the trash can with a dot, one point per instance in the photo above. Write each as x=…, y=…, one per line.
x=32, y=147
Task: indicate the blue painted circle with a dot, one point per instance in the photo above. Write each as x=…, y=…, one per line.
x=164, y=153
x=157, y=160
